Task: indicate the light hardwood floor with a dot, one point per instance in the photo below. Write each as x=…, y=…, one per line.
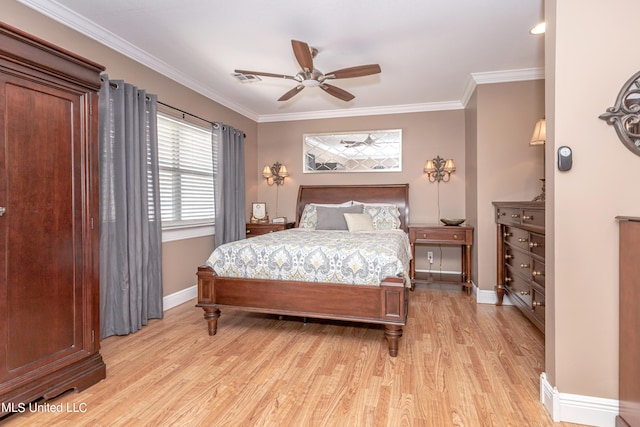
x=459, y=364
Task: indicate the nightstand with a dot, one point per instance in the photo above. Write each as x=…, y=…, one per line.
x=434, y=235
x=254, y=229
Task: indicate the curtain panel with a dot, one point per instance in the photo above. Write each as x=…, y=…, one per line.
x=229, y=187
x=130, y=222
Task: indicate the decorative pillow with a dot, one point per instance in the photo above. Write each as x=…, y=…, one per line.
x=333, y=218
x=309, y=216
x=384, y=216
x=359, y=221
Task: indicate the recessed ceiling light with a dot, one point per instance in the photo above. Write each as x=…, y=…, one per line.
x=538, y=29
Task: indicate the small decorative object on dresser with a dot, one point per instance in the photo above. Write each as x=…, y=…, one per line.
x=520, y=257
x=254, y=229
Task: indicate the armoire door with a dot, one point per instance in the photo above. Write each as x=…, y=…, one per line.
x=42, y=235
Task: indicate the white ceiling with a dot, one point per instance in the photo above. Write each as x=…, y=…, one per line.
x=432, y=53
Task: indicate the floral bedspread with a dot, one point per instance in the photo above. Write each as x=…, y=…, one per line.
x=360, y=258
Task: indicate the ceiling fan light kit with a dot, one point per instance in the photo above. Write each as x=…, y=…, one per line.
x=309, y=76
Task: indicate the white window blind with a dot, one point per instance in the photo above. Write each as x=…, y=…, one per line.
x=187, y=173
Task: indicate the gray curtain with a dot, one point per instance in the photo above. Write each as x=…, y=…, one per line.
x=130, y=226
x=229, y=183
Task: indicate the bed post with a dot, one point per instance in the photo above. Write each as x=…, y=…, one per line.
x=207, y=297
x=393, y=334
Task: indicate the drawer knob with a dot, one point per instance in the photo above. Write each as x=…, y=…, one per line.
x=515, y=215
x=507, y=234
x=535, y=245
x=525, y=292
x=527, y=217
x=248, y=231
x=537, y=273
x=508, y=256
x=508, y=279
x=523, y=239
x=537, y=304
x=524, y=265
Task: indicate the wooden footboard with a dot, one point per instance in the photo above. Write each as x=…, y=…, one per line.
x=386, y=304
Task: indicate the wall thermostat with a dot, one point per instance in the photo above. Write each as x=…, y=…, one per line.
x=565, y=158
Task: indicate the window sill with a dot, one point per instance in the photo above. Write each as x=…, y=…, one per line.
x=175, y=234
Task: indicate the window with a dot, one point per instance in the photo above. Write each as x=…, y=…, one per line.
x=186, y=173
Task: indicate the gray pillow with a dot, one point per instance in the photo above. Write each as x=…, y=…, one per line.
x=333, y=218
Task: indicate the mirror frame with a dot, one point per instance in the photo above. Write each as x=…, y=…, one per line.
x=624, y=116
x=352, y=152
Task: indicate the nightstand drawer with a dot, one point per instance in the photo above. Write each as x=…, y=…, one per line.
x=259, y=229
x=440, y=235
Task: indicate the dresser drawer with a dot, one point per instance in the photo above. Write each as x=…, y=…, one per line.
x=538, y=305
x=519, y=262
x=508, y=216
x=518, y=286
x=516, y=237
x=537, y=272
x=438, y=235
x=533, y=217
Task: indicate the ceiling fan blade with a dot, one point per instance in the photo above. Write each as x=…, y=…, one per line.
x=303, y=55
x=260, y=73
x=359, y=71
x=291, y=93
x=337, y=92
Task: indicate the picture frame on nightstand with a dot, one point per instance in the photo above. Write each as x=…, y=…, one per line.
x=259, y=213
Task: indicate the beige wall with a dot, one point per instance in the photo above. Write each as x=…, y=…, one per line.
x=425, y=136
x=587, y=65
x=175, y=275
x=507, y=168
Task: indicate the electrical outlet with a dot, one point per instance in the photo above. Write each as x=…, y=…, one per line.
x=430, y=257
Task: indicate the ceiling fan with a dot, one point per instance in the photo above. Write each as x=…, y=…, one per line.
x=309, y=76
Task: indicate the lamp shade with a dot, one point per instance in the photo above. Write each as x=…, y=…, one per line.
x=429, y=167
x=449, y=166
x=283, y=171
x=539, y=136
x=266, y=172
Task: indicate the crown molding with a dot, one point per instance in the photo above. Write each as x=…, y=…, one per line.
x=355, y=112
x=90, y=29
x=67, y=17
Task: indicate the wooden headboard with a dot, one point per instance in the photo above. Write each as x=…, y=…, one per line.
x=397, y=194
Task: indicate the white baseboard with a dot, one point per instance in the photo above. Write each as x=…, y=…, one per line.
x=577, y=409
x=179, y=297
x=490, y=297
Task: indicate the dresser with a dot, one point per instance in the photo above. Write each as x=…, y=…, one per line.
x=49, y=227
x=629, y=330
x=520, y=257
x=257, y=229
x=435, y=235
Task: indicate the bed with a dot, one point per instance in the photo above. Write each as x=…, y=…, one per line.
x=384, y=303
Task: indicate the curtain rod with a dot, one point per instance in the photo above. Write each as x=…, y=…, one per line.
x=189, y=114
x=214, y=124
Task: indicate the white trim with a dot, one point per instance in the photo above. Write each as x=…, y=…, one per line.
x=179, y=297
x=90, y=29
x=491, y=297
x=577, y=409
x=172, y=235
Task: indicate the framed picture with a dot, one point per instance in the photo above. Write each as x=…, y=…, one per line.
x=362, y=151
x=259, y=212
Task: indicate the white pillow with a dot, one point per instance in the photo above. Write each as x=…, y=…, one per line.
x=358, y=221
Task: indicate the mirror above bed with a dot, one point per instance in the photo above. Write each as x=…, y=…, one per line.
x=361, y=151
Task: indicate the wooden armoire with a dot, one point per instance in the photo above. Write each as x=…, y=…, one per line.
x=49, y=228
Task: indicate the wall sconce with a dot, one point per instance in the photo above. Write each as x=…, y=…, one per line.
x=275, y=174
x=439, y=169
